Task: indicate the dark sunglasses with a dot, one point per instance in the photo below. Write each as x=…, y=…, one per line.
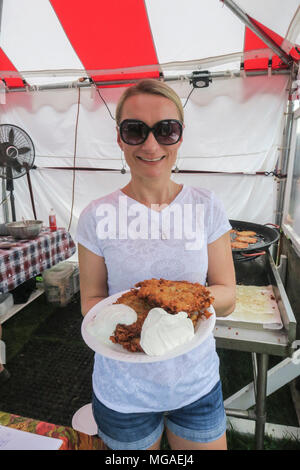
x=166, y=132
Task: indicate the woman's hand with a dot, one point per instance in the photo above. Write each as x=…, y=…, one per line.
x=221, y=275
x=93, y=278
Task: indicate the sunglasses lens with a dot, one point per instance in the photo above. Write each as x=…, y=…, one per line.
x=133, y=132
x=168, y=132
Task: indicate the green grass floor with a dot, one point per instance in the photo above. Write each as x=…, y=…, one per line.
x=235, y=371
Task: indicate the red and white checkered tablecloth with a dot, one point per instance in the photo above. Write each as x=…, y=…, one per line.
x=29, y=258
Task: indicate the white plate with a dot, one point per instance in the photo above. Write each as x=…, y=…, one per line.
x=83, y=420
x=115, y=351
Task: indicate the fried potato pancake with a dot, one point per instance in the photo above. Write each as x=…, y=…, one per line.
x=239, y=245
x=129, y=335
x=175, y=296
x=246, y=239
x=246, y=233
x=138, y=304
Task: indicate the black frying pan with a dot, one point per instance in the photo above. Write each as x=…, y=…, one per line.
x=265, y=235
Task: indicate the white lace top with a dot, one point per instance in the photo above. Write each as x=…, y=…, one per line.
x=140, y=243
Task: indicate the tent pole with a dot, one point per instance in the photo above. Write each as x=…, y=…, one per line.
x=88, y=84
x=230, y=74
x=258, y=31
x=284, y=163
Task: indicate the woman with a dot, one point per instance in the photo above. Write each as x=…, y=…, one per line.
x=131, y=401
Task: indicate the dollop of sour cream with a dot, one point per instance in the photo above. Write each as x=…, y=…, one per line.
x=104, y=325
x=162, y=331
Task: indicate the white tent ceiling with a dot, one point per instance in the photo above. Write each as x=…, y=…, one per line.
x=53, y=41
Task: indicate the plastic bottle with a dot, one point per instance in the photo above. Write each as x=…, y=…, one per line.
x=52, y=221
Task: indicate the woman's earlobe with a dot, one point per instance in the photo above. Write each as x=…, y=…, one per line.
x=119, y=140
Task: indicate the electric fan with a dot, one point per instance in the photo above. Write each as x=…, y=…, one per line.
x=17, y=155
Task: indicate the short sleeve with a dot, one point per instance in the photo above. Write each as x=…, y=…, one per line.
x=219, y=223
x=86, y=232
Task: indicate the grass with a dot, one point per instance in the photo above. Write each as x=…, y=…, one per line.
x=235, y=371
x=237, y=441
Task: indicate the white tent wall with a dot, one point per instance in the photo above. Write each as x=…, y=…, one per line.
x=232, y=126
x=235, y=125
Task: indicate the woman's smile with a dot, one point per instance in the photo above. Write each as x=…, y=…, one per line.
x=151, y=161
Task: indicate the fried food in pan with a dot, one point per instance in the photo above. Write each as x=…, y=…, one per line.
x=246, y=233
x=249, y=240
x=239, y=245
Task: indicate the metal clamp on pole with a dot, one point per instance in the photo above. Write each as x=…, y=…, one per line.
x=245, y=414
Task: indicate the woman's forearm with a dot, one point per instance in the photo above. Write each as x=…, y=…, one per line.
x=224, y=299
x=87, y=304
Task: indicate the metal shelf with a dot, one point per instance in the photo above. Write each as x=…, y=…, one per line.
x=17, y=307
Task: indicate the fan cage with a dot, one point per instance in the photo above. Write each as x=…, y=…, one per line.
x=20, y=140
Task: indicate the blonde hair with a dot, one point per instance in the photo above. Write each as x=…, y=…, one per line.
x=150, y=87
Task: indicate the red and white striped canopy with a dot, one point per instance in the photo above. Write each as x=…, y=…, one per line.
x=59, y=41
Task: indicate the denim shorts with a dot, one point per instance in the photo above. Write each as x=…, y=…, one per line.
x=201, y=421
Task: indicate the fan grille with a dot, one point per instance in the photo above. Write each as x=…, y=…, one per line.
x=17, y=151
